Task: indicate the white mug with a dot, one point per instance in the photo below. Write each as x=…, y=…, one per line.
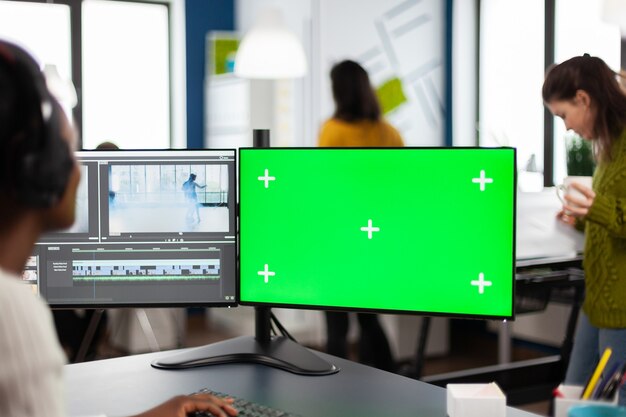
x=566, y=189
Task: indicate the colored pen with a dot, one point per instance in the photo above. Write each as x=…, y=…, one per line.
x=603, y=385
x=614, y=384
x=596, y=373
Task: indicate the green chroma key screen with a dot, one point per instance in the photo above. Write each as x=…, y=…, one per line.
x=428, y=230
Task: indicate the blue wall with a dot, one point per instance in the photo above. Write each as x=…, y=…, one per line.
x=448, y=74
x=201, y=16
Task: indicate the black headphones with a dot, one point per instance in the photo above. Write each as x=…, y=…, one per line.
x=43, y=161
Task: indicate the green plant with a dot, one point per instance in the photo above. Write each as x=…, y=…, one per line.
x=580, y=159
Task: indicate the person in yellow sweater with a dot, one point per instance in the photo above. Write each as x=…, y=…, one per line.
x=585, y=93
x=357, y=122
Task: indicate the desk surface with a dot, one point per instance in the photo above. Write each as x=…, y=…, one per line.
x=566, y=261
x=129, y=385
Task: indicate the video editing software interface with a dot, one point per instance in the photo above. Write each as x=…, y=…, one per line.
x=152, y=228
x=428, y=230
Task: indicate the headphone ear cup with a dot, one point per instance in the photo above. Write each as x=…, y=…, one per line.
x=44, y=173
x=44, y=163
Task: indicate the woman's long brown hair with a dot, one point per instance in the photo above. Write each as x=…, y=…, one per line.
x=592, y=75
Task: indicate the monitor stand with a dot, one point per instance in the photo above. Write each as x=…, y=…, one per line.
x=278, y=351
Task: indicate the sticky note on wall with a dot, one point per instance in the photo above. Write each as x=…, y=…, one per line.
x=390, y=95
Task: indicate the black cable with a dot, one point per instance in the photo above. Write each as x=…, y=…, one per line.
x=282, y=329
x=274, y=322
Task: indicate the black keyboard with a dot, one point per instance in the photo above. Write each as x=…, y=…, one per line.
x=246, y=408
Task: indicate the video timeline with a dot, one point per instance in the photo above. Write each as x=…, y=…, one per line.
x=146, y=270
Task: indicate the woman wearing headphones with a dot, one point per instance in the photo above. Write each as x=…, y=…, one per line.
x=38, y=181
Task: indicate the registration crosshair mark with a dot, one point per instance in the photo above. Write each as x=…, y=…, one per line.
x=266, y=178
x=481, y=283
x=369, y=229
x=266, y=273
x=482, y=180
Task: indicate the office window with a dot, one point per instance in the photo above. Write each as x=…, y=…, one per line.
x=153, y=182
x=126, y=76
x=43, y=29
x=579, y=29
x=124, y=88
x=168, y=178
x=138, y=178
x=511, y=75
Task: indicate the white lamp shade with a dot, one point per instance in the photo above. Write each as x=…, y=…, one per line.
x=614, y=11
x=270, y=51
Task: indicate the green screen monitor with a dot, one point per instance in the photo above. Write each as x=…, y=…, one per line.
x=407, y=230
x=398, y=230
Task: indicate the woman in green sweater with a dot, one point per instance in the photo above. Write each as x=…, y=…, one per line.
x=585, y=93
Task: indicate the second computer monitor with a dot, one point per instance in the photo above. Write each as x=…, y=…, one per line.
x=153, y=228
x=420, y=230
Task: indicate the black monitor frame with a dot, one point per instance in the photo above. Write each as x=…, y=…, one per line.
x=386, y=311
x=280, y=351
x=148, y=246
x=276, y=351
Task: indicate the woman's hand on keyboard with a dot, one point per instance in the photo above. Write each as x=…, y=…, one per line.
x=184, y=405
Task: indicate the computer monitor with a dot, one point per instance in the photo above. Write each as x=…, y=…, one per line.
x=153, y=228
x=407, y=230
x=410, y=230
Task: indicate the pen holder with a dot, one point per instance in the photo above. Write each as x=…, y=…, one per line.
x=571, y=397
x=597, y=411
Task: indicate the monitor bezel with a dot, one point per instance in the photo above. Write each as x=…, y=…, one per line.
x=191, y=304
x=383, y=311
